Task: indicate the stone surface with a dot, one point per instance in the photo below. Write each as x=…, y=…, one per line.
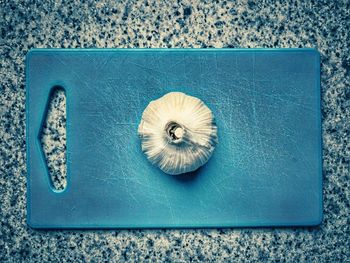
x=71, y=24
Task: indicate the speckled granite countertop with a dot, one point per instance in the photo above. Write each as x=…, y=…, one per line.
x=71, y=24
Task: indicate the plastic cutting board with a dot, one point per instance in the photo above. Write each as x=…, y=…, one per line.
x=265, y=171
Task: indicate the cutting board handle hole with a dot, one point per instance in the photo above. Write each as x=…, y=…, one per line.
x=53, y=138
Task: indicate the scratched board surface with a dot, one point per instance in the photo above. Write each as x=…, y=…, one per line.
x=265, y=171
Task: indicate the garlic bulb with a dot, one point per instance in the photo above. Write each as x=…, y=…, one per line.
x=178, y=133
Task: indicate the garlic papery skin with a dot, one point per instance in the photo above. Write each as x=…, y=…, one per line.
x=178, y=133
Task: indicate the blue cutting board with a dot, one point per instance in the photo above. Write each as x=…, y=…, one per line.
x=265, y=171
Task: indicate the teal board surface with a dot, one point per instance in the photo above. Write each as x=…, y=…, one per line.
x=265, y=171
